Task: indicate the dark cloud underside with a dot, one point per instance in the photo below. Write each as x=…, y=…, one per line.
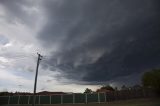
x=102, y=40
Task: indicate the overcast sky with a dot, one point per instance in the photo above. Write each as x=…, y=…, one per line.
x=84, y=43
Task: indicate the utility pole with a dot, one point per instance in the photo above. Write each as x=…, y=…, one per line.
x=35, y=81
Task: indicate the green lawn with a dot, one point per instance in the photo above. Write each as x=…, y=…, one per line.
x=133, y=102
x=138, y=102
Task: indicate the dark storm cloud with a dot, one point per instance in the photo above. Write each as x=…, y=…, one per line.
x=19, y=11
x=102, y=40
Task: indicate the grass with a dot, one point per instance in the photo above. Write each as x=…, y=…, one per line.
x=133, y=102
x=136, y=102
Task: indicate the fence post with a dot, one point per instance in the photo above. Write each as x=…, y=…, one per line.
x=18, y=98
x=105, y=96
x=28, y=99
x=73, y=98
x=50, y=98
x=144, y=93
x=86, y=97
x=39, y=99
x=98, y=98
x=61, y=98
x=8, y=100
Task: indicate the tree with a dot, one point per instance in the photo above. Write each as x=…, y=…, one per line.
x=136, y=87
x=88, y=90
x=123, y=88
x=116, y=89
x=151, y=79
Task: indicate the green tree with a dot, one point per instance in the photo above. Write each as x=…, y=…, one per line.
x=124, y=88
x=151, y=79
x=87, y=90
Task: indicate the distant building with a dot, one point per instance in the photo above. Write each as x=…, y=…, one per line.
x=50, y=93
x=103, y=91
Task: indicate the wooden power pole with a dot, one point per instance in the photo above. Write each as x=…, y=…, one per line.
x=35, y=81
